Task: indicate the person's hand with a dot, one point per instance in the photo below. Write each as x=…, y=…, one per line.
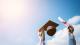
x=71, y=29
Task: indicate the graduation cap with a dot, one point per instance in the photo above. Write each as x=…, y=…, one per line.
x=50, y=27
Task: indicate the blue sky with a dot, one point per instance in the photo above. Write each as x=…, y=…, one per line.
x=20, y=19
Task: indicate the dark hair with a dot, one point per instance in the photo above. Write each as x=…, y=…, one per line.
x=51, y=32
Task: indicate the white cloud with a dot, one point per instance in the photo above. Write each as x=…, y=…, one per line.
x=74, y=20
x=61, y=37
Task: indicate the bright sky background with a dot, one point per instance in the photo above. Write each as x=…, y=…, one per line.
x=20, y=19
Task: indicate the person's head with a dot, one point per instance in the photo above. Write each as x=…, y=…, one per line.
x=51, y=31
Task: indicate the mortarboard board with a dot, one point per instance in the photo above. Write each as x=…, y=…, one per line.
x=50, y=27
